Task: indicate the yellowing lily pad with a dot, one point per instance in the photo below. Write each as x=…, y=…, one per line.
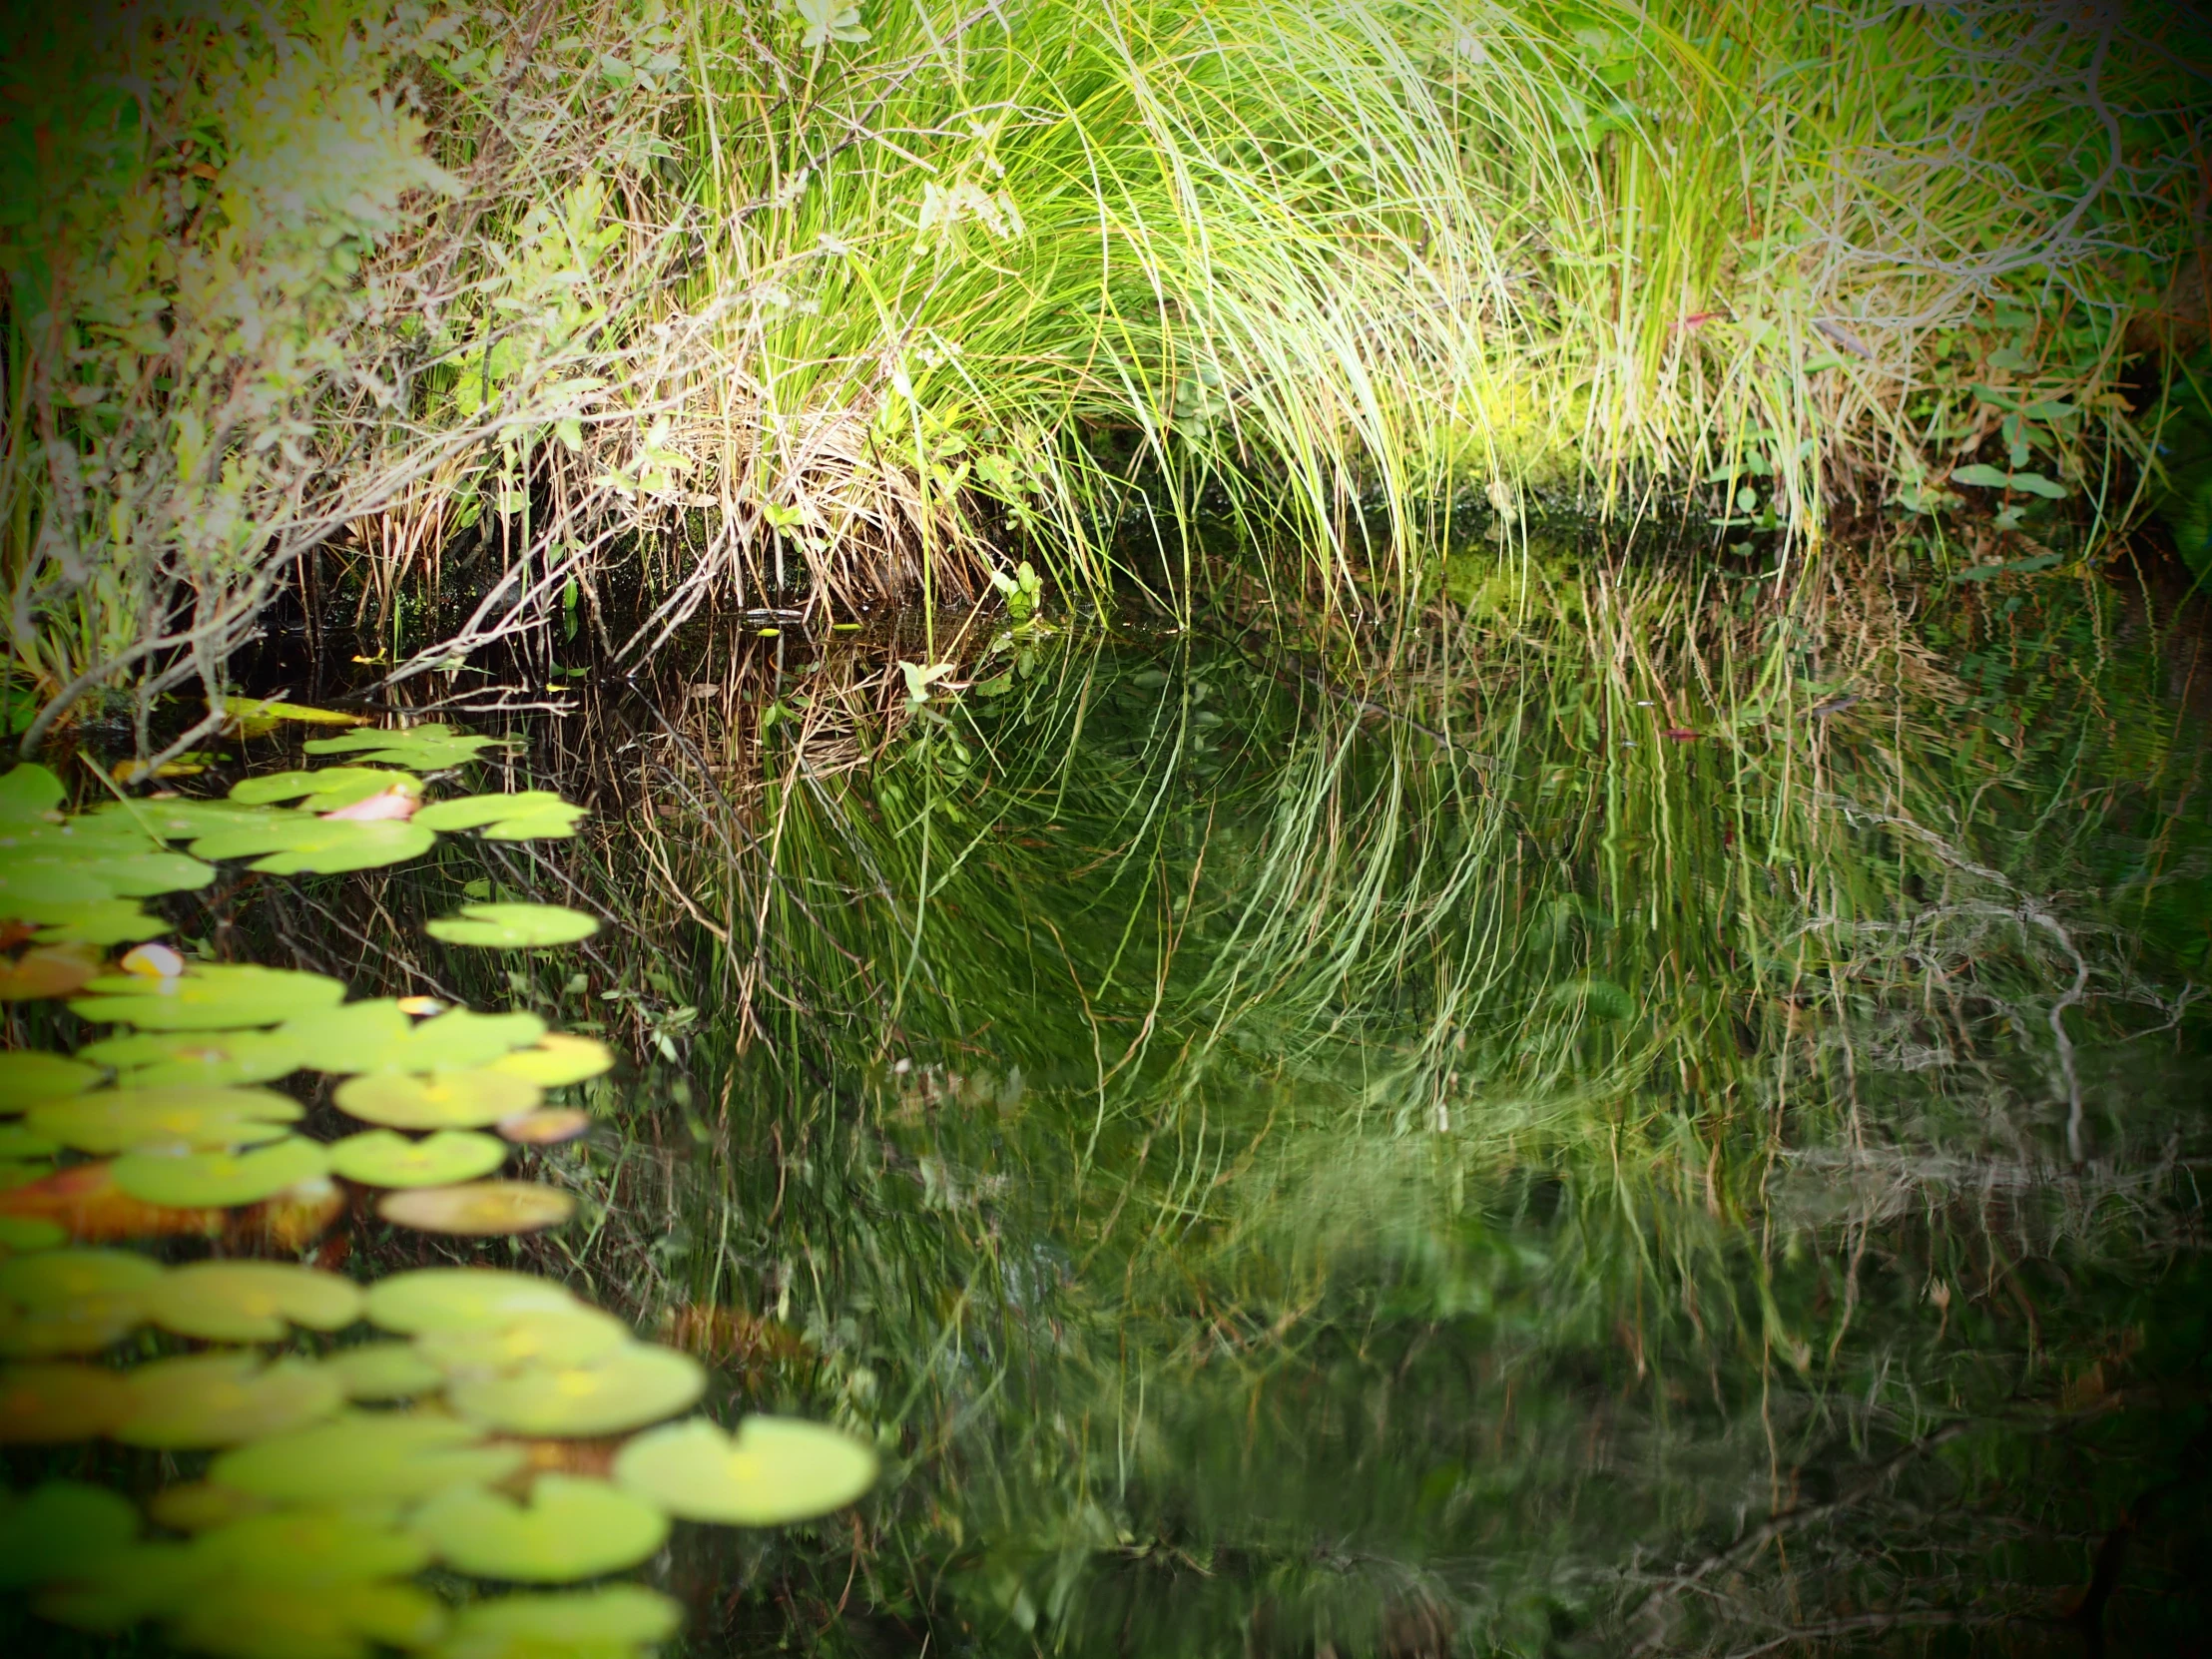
x=40, y=974
x=214, y=1400
x=250, y=1301
x=772, y=1472
x=630, y=1388
x=196, y=1060
x=51, y=1531
x=205, y=1118
x=478, y=1209
x=569, y=1529
x=264, y=1618
x=548, y=1126
x=209, y=996
x=29, y=1077
x=513, y=926
x=366, y=1457
x=81, y=1325
x=432, y=747
x=218, y=1180
x=377, y=1372
x=322, y=791
x=52, y=1403
x=380, y=1158
x=584, y=1623
x=458, y=1299
x=441, y=1100
x=560, y=1058
x=570, y=1335
x=531, y=814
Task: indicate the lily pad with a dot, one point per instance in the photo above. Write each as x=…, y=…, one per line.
x=478, y=1209
x=201, y=1505
x=84, y=1201
x=257, y=715
x=432, y=747
x=377, y=1372
x=29, y=1076
x=540, y=1337
x=570, y=1530
x=379, y=1036
x=366, y=1457
x=630, y=1388
x=27, y=792
x=305, y=844
x=441, y=1100
x=53, y=1403
x=380, y=1158
x=513, y=926
x=57, y=1278
x=264, y=1618
x=91, y=922
x=45, y=972
x=457, y=1299
x=589, y=1621
x=250, y=1301
x=215, y=1400
x=205, y=1118
x=109, y=1591
x=26, y=1233
x=560, y=1058
x=209, y=998
x=18, y=1142
x=47, y=1532
x=530, y=815
x=321, y=791
x=772, y=1472
x=156, y=1059
x=548, y=1126
x=319, y=1545
x=208, y=1180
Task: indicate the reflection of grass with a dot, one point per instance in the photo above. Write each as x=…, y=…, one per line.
x=1382, y=1141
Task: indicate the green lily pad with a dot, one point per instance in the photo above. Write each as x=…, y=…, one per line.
x=207, y=997
x=250, y=1301
x=513, y=926
x=16, y=1141
x=47, y=1532
x=774, y=1471
x=29, y=1076
x=531, y=814
x=44, y=876
x=266, y=713
x=42, y=1404
x=366, y=1457
x=538, y=1336
x=478, y=1209
x=93, y=921
x=441, y=1100
x=319, y=1545
x=214, y=1400
x=322, y=790
x=84, y=1326
x=159, y=1059
x=432, y=747
x=560, y=1058
x=379, y=1036
x=456, y=1299
x=202, y=1507
x=30, y=1233
x=109, y=1591
x=57, y=1278
x=570, y=1530
x=28, y=791
x=261, y=1618
x=380, y=1158
x=586, y=1622
x=218, y=1180
x=205, y=1118
x=304, y=843
x=377, y=1372
x=629, y=1388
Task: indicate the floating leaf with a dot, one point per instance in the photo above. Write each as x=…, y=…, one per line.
x=366, y=1457
x=531, y=814
x=209, y=998
x=304, y=843
x=379, y=1036
x=84, y=1325
x=478, y=1209
x=428, y=748
x=27, y=792
x=45, y=972
x=596, y=1623
x=213, y=1400
x=559, y=1059
x=47, y=1403
x=21, y=1233
x=456, y=1299
x=266, y=713
x=250, y=1301
x=320, y=1545
x=28, y=1076
x=441, y=1100
x=380, y=1158
x=204, y=1119
x=111, y=1590
x=629, y=1388
x=57, y=1278
x=263, y=1618
x=199, y=1179
x=541, y=1336
x=86, y=1205
x=774, y=1471
x=54, y=1528
x=153, y=1060
x=513, y=926
x=199, y=1506
x=45, y=874
x=377, y=1372
x=19, y=1142
x=321, y=791
x=93, y=921
x=548, y=1126
x=569, y=1529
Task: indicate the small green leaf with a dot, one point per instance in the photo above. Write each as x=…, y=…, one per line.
x=513, y=926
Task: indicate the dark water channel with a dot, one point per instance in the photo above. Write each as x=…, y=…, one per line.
x=1591, y=1135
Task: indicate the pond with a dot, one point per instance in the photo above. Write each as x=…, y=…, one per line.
x=1612, y=1118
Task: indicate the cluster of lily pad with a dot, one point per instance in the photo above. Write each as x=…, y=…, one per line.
x=435, y=1438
